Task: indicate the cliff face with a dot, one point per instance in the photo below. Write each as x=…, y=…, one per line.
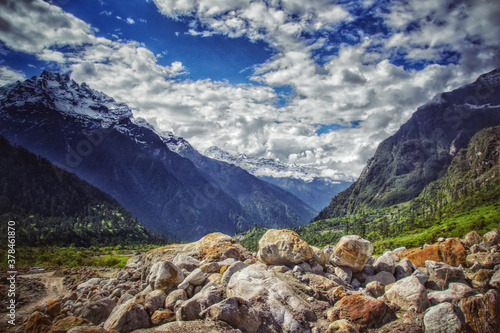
x=423, y=148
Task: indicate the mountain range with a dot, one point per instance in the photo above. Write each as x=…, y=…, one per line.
x=421, y=151
x=304, y=182
x=160, y=178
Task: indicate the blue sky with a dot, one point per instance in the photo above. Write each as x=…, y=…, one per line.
x=317, y=83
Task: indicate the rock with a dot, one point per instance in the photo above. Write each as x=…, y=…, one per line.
x=173, y=297
x=96, y=312
x=233, y=268
x=351, y=251
x=195, y=326
x=342, y=326
x=213, y=246
x=344, y=274
x=211, y=267
x=403, y=269
x=317, y=268
x=191, y=309
x=283, y=247
x=217, y=278
x=188, y=263
x=336, y=294
x=65, y=324
x=123, y=275
x=363, y=311
x=284, y=310
x=53, y=308
x=319, y=256
x=38, y=323
x=472, y=238
x=442, y=274
x=196, y=278
x=328, y=251
x=385, y=263
x=399, y=252
x=128, y=317
x=444, y=317
x=485, y=259
x=482, y=312
x=134, y=262
x=237, y=312
x=90, y=329
x=408, y=293
x=155, y=300
x=492, y=237
x=231, y=252
x=164, y=275
x=450, y=251
x=87, y=285
x=161, y=317
x=422, y=275
x=125, y=297
x=495, y=280
x=383, y=277
x=318, y=282
x=375, y=288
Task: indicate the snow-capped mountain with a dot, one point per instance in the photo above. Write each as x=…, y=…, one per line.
x=307, y=183
x=91, y=135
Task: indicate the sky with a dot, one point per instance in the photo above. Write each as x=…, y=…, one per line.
x=316, y=83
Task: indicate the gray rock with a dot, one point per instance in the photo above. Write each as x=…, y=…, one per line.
x=87, y=285
x=191, y=309
x=408, y=293
x=328, y=251
x=125, y=298
x=188, y=263
x=164, y=275
x=155, y=300
x=444, y=317
x=173, y=297
x=383, y=277
x=472, y=238
x=344, y=274
x=237, y=312
x=442, y=274
x=385, y=263
x=195, y=326
x=403, y=269
x=305, y=267
x=375, y=288
x=195, y=278
x=454, y=293
x=317, y=268
x=422, y=275
x=123, y=275
x=96, y=312
x=492, y=237
x=269, y=292
x=495, y=280
x=128, y=317
x=235, y=267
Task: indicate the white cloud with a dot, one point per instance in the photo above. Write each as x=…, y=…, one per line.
x=130, y=21
x=9, y=75
x=358, y=83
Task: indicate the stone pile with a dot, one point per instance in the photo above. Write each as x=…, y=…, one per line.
x=215, y=285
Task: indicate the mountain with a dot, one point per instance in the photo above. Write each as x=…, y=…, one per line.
x=422, y=149
x=51, y=206
x=89, y=134
x=306, y=183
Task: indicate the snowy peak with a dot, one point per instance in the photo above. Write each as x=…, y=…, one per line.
x=59, y=92
x=268, y=167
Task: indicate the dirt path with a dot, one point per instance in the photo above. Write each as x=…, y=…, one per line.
x=53, y=286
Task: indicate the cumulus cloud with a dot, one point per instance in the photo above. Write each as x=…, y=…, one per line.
x=8, y=75
x=355, y=81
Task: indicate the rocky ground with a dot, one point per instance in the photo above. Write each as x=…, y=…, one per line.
x=215, y=285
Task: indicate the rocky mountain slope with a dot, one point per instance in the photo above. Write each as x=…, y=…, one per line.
x=215, y=285
x=52, y=207
x=96, y=138
x=422, y=149
x=304, y=182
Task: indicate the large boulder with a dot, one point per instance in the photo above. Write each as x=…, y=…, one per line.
x=472, y=238
x=164, y=275
x=383, y=277
x=192, y=308
x=444, y=317
x=38, y=323
x=364, y=311
x=408, y=293
x=451, y=251
x=233, y=268
x=173, y=297
x=351, y=251
x=155, y=300
x=492, y=237
x=482, y=312
x=454, y=293
x=283, y=308
x=385, y=263
x=96, y=312
x=196, y=278
x=443, y=274
x=485, y=259
x=188, y=263
x=195, y=326
x=237, y=312
x=283, y=247
x=128, y=317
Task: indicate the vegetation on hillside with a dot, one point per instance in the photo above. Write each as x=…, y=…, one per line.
x=51, y=206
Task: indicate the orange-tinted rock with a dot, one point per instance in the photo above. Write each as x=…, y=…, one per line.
x=162, y=317
x=351, y=251
x=54, y=308
x=283, y=247
x=68, y=323
x=363, y=311
x=38, y=323
x=482, y=312
x=450, y=251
